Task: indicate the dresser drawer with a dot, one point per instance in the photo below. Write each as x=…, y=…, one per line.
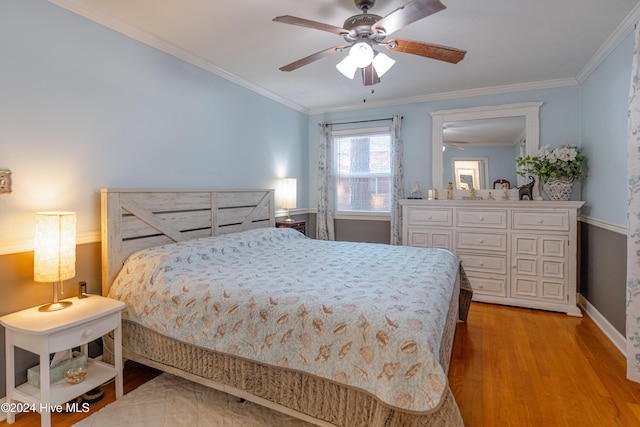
x=483, y=263
x=430, y=217
x=553, y=291
x=495, y=285
x=545, y=290
x=541, y=220
x=84, y=333
x=481, y=241
x=482, y=218
x=539, y=244
x=430, y=238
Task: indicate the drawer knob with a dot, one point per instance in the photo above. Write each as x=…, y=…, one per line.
x=87, y=333
x=540, y=221
x=481, y=240
x=429, y=217
x=482, y=264
x=481, y=218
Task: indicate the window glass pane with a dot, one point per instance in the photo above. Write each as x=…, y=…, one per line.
x=363, y=172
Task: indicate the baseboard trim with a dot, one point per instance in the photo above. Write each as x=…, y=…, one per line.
x=601, y=322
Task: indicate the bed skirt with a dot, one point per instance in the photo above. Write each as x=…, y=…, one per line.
x=311, y=395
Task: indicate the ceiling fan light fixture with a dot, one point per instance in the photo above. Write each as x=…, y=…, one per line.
x=382, y=63
x=362, y=54
x=347, y=67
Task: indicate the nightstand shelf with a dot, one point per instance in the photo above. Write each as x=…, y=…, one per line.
x=61, y=392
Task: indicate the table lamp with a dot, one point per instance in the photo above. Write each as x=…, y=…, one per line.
x=289, y=193
x=55, y=252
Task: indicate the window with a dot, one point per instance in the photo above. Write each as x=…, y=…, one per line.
x=362, y=175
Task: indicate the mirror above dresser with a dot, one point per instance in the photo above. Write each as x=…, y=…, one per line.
x=492, y=136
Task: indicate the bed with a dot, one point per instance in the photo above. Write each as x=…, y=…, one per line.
x=334, y=333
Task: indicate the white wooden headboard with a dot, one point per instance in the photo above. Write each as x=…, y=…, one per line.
x=135, y=219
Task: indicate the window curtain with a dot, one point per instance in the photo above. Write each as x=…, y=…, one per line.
x=397, y=172
x=633, y=237
x=324, y=219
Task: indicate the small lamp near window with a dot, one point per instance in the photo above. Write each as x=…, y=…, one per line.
x=289, y=193
x=55, y=252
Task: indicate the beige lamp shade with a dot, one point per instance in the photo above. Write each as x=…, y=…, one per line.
x=289, y=193
x=55, y=246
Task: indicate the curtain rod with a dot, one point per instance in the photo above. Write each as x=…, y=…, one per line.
x=360, y=121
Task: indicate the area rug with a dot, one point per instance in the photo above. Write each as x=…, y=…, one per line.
x=168, y=400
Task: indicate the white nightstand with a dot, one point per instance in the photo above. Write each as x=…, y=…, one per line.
x=44, y=333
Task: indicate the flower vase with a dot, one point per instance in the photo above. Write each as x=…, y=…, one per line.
x=558, y=188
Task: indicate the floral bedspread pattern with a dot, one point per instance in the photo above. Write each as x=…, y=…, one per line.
x=369, y=316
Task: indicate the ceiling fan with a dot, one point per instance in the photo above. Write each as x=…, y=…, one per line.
x=364, y=31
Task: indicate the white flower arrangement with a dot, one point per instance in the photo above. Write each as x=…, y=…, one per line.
x=566, y=161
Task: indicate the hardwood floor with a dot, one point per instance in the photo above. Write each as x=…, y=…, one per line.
x=520, y=367
x=510, y=367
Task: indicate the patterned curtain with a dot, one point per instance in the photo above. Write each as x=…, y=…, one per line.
x=397, y=170
x=633, y=238
x=324, y=222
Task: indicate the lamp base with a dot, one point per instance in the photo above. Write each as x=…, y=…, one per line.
x=54, y=306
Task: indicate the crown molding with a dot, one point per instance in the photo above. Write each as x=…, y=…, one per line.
x=625, y=27
x=468, y=93
x=81, y=8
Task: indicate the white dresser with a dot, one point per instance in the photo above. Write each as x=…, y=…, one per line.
x=520, y=253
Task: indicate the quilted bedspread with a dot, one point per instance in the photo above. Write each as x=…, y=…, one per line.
x=369, y=316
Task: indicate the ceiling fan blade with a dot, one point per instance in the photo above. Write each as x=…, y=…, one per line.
x=288, y=19
x=434, y=51
x=369, y=75
x=407, y=14
x=311, y=58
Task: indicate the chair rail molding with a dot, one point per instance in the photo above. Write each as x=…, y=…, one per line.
x=18, y=246
x=607, y=225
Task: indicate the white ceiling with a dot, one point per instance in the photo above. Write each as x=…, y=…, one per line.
x=511, y=44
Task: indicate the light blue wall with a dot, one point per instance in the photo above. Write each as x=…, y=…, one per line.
x=558, y=125
x=604, y=102
x=83, y=107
